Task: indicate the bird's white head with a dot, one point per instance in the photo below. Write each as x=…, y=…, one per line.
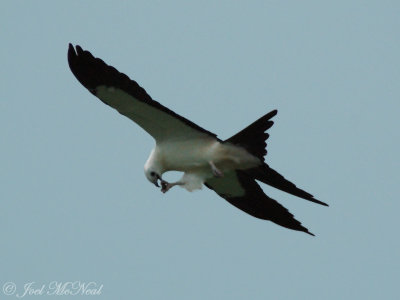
x=152, y=170
x=152, y=175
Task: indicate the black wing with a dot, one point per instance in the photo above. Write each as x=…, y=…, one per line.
x=242, y=191
x=128, y=98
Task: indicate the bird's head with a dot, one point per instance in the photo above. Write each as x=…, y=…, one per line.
x=153, y=169
x=153, y=175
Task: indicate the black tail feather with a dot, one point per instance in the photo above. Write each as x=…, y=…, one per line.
x=253, y=139
x=271, y=177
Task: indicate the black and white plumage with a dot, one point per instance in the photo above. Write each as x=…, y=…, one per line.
x=229, y=167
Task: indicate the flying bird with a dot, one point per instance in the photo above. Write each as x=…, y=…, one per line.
x=229, y=167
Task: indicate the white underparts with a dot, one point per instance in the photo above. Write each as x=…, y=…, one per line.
x=199, y=159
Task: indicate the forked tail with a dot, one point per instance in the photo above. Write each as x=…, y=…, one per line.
x=253, y=139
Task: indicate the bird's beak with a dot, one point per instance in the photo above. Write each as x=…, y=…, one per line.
x=156, y=181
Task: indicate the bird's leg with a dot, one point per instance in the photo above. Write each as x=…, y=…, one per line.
x=215, y=170
x=166, y=186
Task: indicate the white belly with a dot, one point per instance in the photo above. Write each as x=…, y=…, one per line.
x=197, y=153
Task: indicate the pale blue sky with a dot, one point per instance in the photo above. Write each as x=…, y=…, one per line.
x=75, y=204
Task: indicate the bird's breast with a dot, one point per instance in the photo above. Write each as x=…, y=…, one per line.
x=186, y=155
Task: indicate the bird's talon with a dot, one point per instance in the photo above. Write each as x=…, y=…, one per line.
x=216, y=172
x=164, y=186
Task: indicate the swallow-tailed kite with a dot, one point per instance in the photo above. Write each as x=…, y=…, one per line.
x=229, y=167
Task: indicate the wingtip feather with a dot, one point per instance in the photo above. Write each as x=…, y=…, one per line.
x=310, y=233
x=318, y=202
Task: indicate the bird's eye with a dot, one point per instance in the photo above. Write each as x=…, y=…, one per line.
x=152, y=174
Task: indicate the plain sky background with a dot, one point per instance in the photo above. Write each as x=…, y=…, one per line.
x=75, y=204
